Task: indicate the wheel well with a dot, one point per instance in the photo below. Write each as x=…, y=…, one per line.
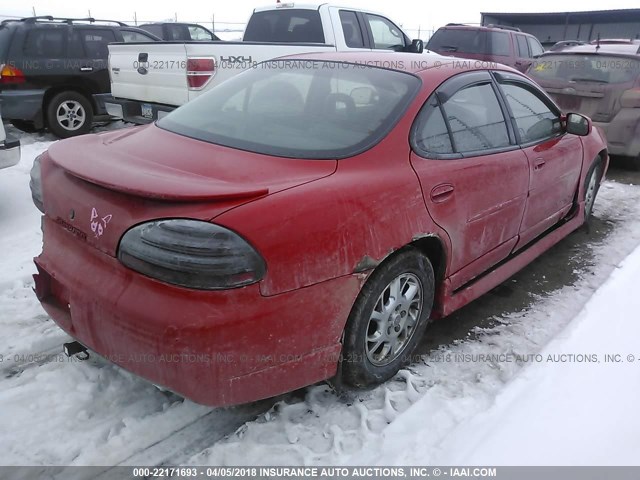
x=53, y=91
x=432, y=247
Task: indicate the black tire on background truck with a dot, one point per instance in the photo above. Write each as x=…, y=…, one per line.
x=69, y=114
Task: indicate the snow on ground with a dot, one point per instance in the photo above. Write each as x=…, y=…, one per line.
x=117, y=418
x=570, y=406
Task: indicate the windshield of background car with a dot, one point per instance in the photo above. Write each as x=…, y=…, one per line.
x=299, y=109
x=585, y=68
x=459, y=40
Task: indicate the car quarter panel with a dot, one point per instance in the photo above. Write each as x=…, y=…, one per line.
x=369, y=208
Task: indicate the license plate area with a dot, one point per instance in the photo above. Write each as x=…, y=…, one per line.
x=146, y=111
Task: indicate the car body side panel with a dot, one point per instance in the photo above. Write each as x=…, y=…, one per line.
x=555, y=167
x=326, y=229
x=483, y=210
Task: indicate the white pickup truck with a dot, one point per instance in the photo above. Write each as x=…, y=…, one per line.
x=151, y=78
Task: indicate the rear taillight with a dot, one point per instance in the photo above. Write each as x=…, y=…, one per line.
x=199, y=72
x=10, y=75
x=630, y=98
x=192, y=254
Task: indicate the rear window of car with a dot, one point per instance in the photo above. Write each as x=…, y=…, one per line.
x=585, y=68
x=459, y=40
x=299, y=109
x=285, y=26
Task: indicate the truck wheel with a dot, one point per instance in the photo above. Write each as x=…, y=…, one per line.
x=387, y=319
x=69, y=114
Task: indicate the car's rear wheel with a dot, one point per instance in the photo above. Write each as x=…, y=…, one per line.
x=388, y=319
x=69, y=114
x=591, y=186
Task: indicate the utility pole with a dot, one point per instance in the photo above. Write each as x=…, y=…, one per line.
x=34, y=11
x=213, y=23
x=135, y=19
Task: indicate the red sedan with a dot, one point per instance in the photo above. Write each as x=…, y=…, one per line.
x=306, y=219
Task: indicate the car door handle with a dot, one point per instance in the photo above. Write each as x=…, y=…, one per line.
x=86, y=69
x=442, y=192
x=538, y=163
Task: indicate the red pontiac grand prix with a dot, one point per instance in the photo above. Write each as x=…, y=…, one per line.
x=306, y=219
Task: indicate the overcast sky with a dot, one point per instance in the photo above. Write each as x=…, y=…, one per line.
x=411, y=14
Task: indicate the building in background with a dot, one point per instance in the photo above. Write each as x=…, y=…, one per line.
x=550, y=28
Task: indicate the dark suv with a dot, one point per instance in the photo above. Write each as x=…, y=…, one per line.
x=493, y=43
x=53, y=72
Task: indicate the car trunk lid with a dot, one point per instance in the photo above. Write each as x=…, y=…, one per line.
x=98, y=186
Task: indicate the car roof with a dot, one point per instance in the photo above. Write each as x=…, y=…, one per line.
x=45, y=20
x=400, y=61
x=603, y=49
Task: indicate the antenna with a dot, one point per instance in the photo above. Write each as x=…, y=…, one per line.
x=598, y=42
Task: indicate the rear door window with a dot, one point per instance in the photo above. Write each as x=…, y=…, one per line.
x=476, y=119
x=285, y=26
x=523, y=48
x=499, y=43
x=95, y=42
x=45, y=43
x=351, y=29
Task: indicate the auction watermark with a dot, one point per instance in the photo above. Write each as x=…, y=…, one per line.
x=322, y=472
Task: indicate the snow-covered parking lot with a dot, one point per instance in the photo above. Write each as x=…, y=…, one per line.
x=544, y=370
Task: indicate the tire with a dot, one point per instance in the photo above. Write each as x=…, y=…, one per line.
x=69, y=114
x=24, y=126
x=591, y=187
x=382, y=333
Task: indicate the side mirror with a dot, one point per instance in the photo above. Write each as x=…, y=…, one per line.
x=417, y=46
x=578, y=124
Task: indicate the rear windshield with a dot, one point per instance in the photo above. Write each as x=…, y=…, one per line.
x=585, y=68
x=459, y=40
x=5, y=39
x=285, y=26
x=298, y=109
